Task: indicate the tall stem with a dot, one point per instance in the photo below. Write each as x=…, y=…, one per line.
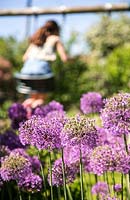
x=29, y=197
x=51, y=176
x=20, y=196
x=64, y=177
x=81, y=176
x=69, y=193
x=122, y=186
x=43, y=177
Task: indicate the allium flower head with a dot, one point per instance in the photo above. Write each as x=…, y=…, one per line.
x=28, y=129
x=10, y=139
x=108, y=158
x=100, y=188
x=44, y=133
x=14, y=167
x=79, y=130
x=57, y=174
x=51, y=106
x=72, y=156
x=91, y=102
x=117, y=188
x=58, y=115
x=31, y=183
x=17, y=113
x=35, y=162
x=116, y=114
x=4, y=151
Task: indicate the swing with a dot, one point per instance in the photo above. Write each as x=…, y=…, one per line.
x=27, y=84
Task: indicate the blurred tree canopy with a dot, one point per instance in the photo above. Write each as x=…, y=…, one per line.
x=108, y=34
x=13, y=50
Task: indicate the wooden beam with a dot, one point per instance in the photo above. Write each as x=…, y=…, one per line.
x=65, y=10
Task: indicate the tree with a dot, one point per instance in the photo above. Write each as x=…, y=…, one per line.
x=108, y=34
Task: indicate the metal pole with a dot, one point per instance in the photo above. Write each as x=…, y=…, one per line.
x=28, y=20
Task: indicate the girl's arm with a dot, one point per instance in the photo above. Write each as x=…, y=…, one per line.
x=25, y=56
x=61, y=51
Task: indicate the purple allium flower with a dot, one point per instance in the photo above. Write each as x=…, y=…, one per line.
x=10, y=139
x=117, y=187
x=35, y=162
x=72, y=156
x=51, y=106
x=59, y=115
x=79, y=130
x=102, y=135
x=31, y=183
x=57, y=175
x=44, y=133
x=14, y=167
x=100, y=188
x=108, y=158
x=91, y=102
x=17, y=113
x=116, y=114
x=4, y=151
x=105, y=137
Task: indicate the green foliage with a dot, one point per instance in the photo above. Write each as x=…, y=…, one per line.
x=108, y=34
x=118, y=69
x=68, y=80
x=12, y=50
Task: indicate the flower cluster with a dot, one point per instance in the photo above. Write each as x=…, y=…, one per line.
x=57, y=173
x=72, y=156
x=31, y=183
x=10, y=139
x=34, y=160
x=106, y=158
x=117, y=188
x=44, y=110
x=91, y=102
x=116, y=114
x=4, y=151
x=43, y=133
x=17, y=113
x=14, y=167
x=79, y=130
x=100, y=188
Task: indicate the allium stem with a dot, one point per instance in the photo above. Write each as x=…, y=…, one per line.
x=113, y=180
x=107, y=180
x=96, y=181
x=8, y=188
x=128, y=175
x=59, y=193
x=122, y=184
x=69, y=193
x=81, y=176
x=43, y=177
x=127, y=186
x=51, y=175
x=64, y=177
x=126, y=146
x=29, y=197
x=20, y=196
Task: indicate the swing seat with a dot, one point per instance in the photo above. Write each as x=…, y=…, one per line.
x=26, y=84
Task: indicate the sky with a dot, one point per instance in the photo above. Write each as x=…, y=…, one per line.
x=81, y=23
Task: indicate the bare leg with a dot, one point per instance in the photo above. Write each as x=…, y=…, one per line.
x=35, y=100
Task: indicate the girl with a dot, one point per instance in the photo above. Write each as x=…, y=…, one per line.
x=41, y=52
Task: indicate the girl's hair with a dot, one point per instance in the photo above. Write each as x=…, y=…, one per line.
x=40, y=36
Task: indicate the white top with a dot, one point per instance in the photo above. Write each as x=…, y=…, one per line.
x=47, y=51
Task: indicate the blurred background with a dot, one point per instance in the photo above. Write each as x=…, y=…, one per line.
x=99, y=44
